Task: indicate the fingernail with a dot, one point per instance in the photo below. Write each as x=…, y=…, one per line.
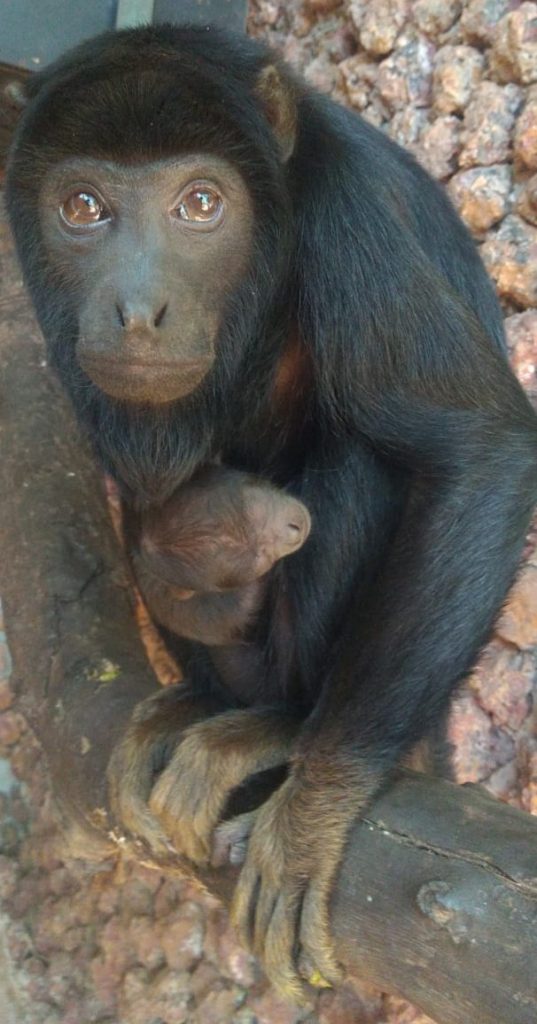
x=317, y=981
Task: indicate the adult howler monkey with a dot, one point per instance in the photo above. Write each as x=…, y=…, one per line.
x=227, y=265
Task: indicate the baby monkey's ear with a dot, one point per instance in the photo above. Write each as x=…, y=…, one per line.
x=278, y=97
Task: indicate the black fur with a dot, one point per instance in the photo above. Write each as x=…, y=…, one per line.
x=415, y=449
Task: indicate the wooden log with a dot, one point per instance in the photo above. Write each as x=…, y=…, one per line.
x=437, y=895
x=437, y=899
x=78, y=664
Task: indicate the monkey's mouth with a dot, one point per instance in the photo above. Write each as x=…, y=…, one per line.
x=144, y=380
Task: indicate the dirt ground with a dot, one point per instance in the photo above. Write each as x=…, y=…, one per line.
x=80, y=944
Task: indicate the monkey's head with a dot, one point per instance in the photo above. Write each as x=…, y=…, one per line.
x=221, y=530
x=146, y=191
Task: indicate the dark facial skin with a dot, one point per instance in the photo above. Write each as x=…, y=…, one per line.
x=153, y=253
x=204, y=555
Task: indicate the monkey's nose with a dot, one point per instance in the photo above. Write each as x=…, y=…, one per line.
x=135, y=317
x=297, y=528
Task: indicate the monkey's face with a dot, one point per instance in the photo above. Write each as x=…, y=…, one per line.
x=152, y=254
x=148, y=192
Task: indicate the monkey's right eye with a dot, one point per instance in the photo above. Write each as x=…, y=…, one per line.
x=83, y=209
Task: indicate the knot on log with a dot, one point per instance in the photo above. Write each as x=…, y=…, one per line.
x=437, y=900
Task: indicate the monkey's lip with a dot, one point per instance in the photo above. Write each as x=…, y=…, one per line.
x=144, y=380
x=122, y=367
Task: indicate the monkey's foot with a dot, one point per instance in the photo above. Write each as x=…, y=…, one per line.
x=281, y=904
x=213, y=758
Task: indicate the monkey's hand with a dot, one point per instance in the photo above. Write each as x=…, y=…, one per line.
x=281, y=903
x=213, y=758
x=154, y=731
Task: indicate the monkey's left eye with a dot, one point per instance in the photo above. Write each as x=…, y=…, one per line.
x=83, y=209
x=200, y=204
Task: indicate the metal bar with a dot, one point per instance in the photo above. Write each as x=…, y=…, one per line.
x=228, y=14
x=134, y=12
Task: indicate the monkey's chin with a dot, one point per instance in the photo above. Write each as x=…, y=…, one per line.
x=143, y=383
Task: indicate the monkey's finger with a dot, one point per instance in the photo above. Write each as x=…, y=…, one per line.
x=129, y=775
x=315, y=939
x=179, y=824
x=230, y=840
x=165, y=792
x=190, y=843
x=244, y=901
x=170, y=797
x=279, y=950
x=267, y=899
x=137, y=819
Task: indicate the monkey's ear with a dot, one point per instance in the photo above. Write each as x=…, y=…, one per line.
x=279, y=102
x=13, y=99
x=14, y=95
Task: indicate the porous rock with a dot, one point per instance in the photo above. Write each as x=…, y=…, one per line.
x=457, y=71
x=525, y=141
x=510, y=255
x=435, y=16
x=526, y=202
x=488, y=123
x=359, y=76
x=405, y=76
x=381, y=23
x=439, y=145
x=480, y=19
x=481, y=195
x=521, y=331
x=514, y=53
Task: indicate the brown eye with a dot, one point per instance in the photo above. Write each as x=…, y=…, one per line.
x=83, y=209
x=200, y=204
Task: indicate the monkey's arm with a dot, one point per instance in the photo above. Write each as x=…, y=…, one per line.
x=457, y=421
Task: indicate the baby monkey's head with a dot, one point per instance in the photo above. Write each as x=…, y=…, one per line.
x=222, y=530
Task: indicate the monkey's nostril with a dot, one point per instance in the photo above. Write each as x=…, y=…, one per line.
x=160, y=315
x=298, y=529
x=134, y=317
x=295, y=536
